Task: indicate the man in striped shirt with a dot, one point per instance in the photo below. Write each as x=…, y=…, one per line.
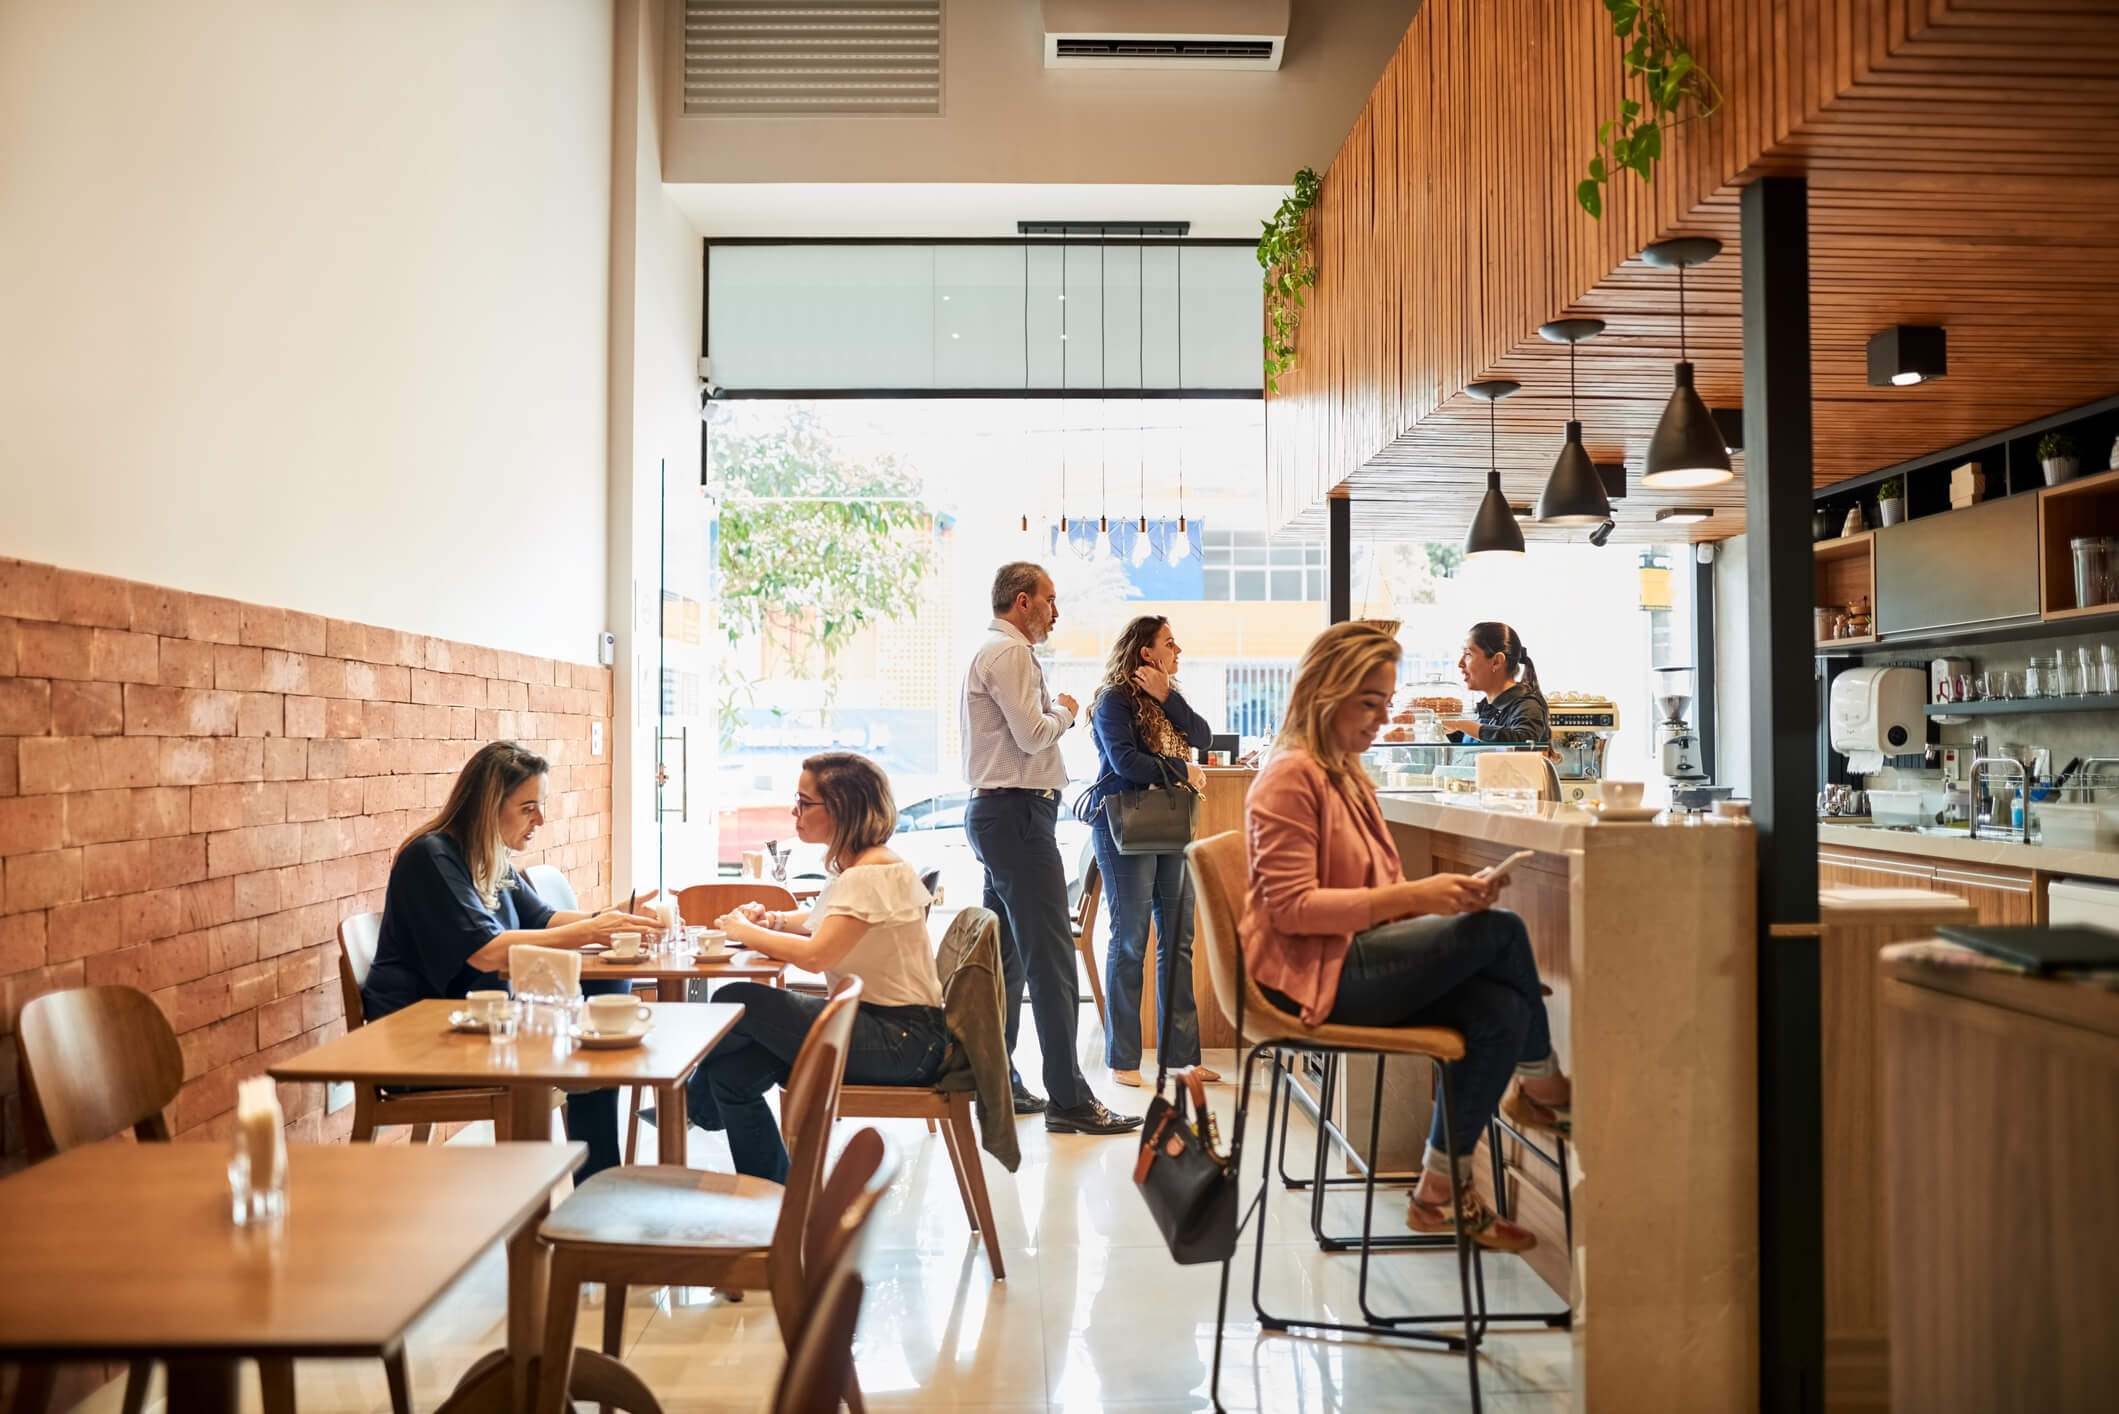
x=1012, y=725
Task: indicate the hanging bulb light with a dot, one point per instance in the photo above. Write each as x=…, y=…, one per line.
x=1687, y=449
x=1493, y=530
x=1143, y=547
x=1181, y=542
x=1574, y=493
x=1178, y=543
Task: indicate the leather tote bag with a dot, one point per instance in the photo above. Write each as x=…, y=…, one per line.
x=1152, y=819
x=1190, y=1185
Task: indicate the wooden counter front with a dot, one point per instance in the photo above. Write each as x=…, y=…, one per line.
x=1647, y=935
x=1220, y=808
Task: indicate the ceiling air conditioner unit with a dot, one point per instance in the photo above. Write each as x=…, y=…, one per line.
x=1165, y=34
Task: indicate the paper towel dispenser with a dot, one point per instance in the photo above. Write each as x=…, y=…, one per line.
x=1879, y=710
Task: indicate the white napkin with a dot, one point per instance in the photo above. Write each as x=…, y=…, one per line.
x=544, y=972
x=1865, y=763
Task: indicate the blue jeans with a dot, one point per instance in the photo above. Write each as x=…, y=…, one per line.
x=1026, y=888
x=891, y=1045
x=1471, y=972
x=1137, y=886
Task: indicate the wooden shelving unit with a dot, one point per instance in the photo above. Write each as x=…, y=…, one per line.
x=1846, y=574
x=2087, y=506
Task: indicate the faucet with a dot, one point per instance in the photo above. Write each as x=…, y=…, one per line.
x=1972, y=782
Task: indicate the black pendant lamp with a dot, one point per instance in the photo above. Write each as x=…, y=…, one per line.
x=1494, y=529
x=1687, y=449
x=1574, y=493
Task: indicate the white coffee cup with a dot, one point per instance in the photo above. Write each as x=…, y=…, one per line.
x=481, y=1004
x=625, y=945
x=612, y=1015
x=712, y=942
x=1620, y=795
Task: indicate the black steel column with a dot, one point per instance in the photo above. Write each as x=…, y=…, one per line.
x=1339, y=559
x=1777, y=507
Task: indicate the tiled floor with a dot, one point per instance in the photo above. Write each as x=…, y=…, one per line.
x=1093, y=1314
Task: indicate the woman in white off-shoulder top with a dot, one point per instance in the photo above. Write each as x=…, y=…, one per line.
x=870, y=922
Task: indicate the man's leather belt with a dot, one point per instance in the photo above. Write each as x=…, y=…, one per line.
x=1017, y=790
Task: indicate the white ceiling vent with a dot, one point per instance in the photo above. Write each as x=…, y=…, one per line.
x=799, y=57
x=1165, y=34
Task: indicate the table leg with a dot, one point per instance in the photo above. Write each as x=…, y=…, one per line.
x=204, y=1385
x=529, y=1270
x=530, y=1113
x=672, y=1130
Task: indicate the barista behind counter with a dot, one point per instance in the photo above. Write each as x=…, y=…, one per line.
x=1495, y=666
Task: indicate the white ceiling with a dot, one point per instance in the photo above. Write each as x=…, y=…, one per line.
x=958, y=208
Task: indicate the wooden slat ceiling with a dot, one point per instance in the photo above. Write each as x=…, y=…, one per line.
x=1963, y=157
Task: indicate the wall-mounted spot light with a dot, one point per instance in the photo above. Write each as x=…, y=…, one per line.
x=1684, y=515
x=1602, y=533
x=1905, y=354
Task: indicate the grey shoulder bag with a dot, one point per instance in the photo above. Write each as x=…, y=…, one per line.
x=1152, y=819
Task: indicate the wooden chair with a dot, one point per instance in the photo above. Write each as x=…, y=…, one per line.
x=701, y=904
x=94, y=1063
x=1219, y=873
x=663, y=1225
x=821, y=1363
x=372, y=1106
x=1084, y=923
x=951, y=1110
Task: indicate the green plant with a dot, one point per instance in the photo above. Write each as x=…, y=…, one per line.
x=1672, y=78
x=1892, y=490
x=1284, y=254
x=2055, y=446
x=813, y=549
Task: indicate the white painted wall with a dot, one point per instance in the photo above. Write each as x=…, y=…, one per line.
x=1732, y=664
x=306, y=304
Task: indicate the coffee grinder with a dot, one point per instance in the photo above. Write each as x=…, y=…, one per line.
x=1681, y=745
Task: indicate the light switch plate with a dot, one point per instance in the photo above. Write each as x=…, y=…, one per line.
x=595, y=738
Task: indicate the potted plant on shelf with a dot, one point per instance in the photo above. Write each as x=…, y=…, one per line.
x=2056, y=453
x=1891, y=502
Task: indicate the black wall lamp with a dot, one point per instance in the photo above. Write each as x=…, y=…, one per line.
x=1574, y=493
x=1905, y=354
x=1494, y=530
x=1687, y=449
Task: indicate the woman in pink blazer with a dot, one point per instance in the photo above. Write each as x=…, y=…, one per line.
x=1335, y=932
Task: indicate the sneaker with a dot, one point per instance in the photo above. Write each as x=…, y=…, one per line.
x=1088, y=1117
x=1127, y=1077
x=1488, y=1228
x=1025, y=1102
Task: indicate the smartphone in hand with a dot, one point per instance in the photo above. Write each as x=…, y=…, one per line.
x=1493, y=872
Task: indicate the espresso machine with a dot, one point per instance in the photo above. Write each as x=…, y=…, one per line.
x=1582, y=727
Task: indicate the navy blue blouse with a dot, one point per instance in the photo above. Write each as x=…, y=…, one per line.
x=1124, y=760
x=433, y=920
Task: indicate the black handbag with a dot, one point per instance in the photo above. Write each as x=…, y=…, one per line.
x=1152, y=819
x=1191, y=1187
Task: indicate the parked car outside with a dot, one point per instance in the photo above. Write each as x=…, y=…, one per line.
x=930, y=835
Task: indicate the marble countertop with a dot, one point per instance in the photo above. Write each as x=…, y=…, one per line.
x=1546, y=826
x=1963, y=849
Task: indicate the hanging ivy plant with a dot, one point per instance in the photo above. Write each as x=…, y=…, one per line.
x=1633, y=141
x=1284, y=254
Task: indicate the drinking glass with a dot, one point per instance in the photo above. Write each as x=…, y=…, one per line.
x=501, y=1020
x=257, y=1190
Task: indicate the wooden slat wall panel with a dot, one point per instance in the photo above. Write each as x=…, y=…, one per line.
x=1964, y=166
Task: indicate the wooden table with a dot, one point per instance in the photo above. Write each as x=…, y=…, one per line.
x=738, y=966
x=126, y=1251
x=415, y=1046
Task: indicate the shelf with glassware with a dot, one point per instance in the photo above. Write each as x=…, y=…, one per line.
x=1845, y=589
x=2078, y=548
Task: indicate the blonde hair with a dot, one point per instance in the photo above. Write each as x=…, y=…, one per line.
x=1331, y=672
x=472, y=815
x=857, y=793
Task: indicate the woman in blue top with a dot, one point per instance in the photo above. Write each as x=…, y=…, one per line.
x=1144, y=731
x=455, y=906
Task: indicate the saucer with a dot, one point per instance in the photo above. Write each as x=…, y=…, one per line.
x=617, y=961
x=630, y=1037
x=465, y=1021
x=1615, y=815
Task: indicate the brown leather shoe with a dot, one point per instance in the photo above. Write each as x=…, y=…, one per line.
x=1530, y=1116
x=1127, y=1077
x=1488, y=1228
x=1206, y=1076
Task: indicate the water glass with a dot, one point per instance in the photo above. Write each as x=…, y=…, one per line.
x=257, y=1174
x=502, y=1018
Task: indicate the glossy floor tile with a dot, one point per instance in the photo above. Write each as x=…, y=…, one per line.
x=1093, y=1315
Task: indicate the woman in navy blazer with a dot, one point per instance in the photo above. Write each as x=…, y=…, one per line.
x=1143, y=729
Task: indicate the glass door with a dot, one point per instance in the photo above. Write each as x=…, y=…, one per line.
x=685, y=726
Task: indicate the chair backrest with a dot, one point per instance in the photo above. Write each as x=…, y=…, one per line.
x=552, y=887
x=837, y=1229
x=820, y=1363
x=358, y=937
x=95, y=1062
x=1085, y=906
x=931, y=881
x=701, y=904
x=807, y=1109
x=1218, y=877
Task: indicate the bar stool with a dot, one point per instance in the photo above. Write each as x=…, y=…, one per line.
x=1217, y=865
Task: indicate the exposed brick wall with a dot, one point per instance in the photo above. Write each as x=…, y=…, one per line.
x=194, y=791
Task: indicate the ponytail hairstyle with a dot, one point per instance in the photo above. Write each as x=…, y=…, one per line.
x=471, y=816
x=1491, y=638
